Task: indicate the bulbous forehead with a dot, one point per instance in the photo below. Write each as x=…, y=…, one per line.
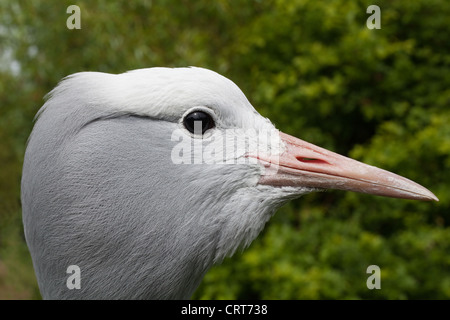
x=164, y=93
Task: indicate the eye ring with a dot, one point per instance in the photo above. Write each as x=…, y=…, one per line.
x=198, y=122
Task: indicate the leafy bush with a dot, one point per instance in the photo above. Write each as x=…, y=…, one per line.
x=315, y=69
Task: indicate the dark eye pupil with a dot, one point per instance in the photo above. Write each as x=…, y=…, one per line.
x=198, y=121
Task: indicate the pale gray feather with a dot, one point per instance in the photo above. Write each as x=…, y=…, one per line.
x=100, y=191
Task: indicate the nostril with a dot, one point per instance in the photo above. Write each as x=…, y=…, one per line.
x=311, y=160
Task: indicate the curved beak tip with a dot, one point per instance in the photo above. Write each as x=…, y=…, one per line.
x=433, y=197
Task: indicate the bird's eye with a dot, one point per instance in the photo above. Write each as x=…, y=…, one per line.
x=198, y=120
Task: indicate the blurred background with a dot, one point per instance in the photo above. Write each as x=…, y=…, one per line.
x=316, y=70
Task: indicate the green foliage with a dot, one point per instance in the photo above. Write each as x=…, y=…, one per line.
x=315, y=69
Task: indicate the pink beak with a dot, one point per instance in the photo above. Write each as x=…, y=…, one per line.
x=303, y=164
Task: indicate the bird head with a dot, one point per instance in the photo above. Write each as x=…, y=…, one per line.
x=145, y=179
